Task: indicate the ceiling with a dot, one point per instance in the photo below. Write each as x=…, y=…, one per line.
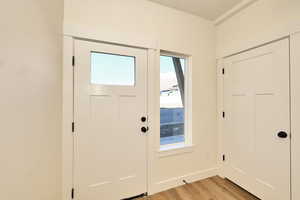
x=208, y=9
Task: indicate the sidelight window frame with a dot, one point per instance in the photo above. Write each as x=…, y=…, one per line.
x=187, y=145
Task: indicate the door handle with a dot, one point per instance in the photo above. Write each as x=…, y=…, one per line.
x=282, y=134
x=144, y=129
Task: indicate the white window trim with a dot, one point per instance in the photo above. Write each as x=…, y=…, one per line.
x=175, y=149
x=187, y=145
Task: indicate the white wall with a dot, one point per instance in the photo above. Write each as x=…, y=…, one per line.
x=30, y=103
x=261, y=22
x=145, y=24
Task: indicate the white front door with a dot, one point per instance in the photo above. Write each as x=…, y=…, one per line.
x=257, y=120
x=110, y=101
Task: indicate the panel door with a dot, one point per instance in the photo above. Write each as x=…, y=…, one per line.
x=257, y=122
x=110, y=100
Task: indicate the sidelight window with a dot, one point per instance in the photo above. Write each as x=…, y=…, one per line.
x=173, y=95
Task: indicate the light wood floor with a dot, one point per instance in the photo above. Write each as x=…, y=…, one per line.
x=214, y=188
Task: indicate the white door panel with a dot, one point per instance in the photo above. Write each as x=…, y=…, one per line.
x=110, y=149
x=257, y=105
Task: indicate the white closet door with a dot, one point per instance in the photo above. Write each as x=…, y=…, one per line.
x=257, y=121
x=295, y=107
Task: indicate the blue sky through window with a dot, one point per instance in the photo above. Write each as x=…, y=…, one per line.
x=167, y=66
x=109, y=69
x=167, y=72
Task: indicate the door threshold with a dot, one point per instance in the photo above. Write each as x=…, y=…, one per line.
x=136, y=197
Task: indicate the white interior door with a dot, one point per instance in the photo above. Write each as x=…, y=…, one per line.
x=257, y=121
x=110, y=99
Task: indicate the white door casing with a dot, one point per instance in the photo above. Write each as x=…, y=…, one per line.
x=257, y=106
x=110, y=157
x=295, y=109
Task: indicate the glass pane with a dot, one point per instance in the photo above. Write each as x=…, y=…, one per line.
x=109, y=69
x=171, y=106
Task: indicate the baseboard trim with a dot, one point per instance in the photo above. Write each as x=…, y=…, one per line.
x=178, y=181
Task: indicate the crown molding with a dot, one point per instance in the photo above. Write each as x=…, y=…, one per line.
x=244, y=4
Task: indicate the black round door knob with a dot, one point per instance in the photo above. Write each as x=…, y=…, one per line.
x=282, y=134
x=144, y=129
x=143, y=119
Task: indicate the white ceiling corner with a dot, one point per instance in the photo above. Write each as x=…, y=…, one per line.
x=207, y=9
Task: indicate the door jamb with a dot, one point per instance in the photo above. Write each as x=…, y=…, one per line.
x=67, y=118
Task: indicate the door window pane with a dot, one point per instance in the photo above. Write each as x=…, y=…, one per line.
x=110, y=69
x=172, y=100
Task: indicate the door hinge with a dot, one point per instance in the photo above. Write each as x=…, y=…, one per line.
x=223, y=71
x=73, y=61
x=223, y=114
x=223, y=158
x=73, y=127
x=72, y=193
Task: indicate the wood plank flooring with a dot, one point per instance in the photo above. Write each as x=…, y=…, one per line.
x=214, y=188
